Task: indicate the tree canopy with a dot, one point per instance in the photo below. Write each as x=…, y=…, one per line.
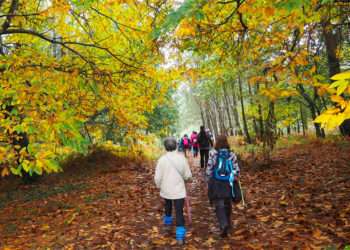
x=64, y=63
x=77, y=72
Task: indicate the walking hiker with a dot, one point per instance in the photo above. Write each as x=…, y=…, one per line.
x=172, y=171
x=204, y=143
x=194, y=143
x=222, y=174
x=186, y=144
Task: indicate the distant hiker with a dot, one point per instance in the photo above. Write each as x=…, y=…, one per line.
x=180, y=147
x=204, y=143
x=221, y=172
x=172, y=172
x=194, y=143
x=186, y=144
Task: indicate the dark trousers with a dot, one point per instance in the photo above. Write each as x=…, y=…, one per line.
x=179, y=214
x=195, y=151
x=204, y=154
x=223, y=210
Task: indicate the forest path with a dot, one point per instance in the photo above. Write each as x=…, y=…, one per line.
x=300, y=201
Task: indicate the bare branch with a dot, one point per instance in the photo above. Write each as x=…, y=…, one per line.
x=228, y=2
x=66, y=43
x=23, y=15
x=117, y=22
x=31, y=32
x=229, y=17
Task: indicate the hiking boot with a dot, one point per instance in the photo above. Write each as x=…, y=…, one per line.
x=224, y=232
x=180, y=235
x=180, y=242
x=167, y=220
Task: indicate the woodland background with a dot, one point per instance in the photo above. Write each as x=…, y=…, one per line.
x=91, y=87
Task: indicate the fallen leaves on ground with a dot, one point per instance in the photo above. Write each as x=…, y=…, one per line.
x=299, y=201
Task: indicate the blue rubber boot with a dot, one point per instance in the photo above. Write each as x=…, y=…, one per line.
x=180, y=235
x=167, y=220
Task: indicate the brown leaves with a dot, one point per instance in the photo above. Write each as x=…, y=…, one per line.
x=302, y=199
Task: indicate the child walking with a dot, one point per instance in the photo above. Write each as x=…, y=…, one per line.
x=221, y=172
x=172, y=171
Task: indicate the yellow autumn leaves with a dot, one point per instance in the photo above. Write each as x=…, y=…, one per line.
x=102, y=57
x=334, y=117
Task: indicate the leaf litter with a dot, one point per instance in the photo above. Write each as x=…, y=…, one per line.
x=300, y=201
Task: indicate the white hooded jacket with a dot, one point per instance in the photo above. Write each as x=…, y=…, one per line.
x=172, y=171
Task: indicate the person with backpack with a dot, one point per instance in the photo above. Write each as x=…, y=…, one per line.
x=194, y=143
x=186, y=144
x=222, y=175
x=172, y=171
x=204, y=143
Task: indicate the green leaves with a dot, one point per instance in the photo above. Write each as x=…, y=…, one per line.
x=292, y=5
x=188, y=9
x=326, y=1
x=83, y=4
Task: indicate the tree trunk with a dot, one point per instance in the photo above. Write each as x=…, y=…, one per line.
x=235, y=110
x=303, y=119
x=245, y=126
x=261, y=118
x=269, y=136
x=255, y=125
x=220, y=115
x=202, y=115
x=313, y=109
x=228, y=111
x=213, y=120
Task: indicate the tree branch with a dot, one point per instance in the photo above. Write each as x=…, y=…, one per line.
x=13, y=8
x=23, y=15
x=65, y=45
x=223, y=2
x=116, y=22
x=34, y=33
x=239, y=3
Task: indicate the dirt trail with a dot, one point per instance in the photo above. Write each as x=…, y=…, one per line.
x=300, y=201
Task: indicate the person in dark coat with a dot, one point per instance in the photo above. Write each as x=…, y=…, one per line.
x=204, y=143
x=220, y=192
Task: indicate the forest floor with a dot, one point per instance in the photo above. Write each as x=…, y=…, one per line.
x=300, y=201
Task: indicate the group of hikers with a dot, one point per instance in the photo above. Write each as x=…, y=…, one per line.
x=198, y=142
x=221, y=170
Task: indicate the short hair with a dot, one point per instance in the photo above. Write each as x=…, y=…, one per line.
x=221, y=142
x=170, y=144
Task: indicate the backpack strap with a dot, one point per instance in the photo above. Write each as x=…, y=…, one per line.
x=173, y=165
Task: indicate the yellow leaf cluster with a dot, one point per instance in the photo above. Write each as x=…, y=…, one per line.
x=185, y=29
x=334, y=117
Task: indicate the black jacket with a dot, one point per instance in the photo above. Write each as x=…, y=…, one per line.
x=204, y=141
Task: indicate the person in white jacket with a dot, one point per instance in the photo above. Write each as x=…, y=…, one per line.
x=172, y=171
